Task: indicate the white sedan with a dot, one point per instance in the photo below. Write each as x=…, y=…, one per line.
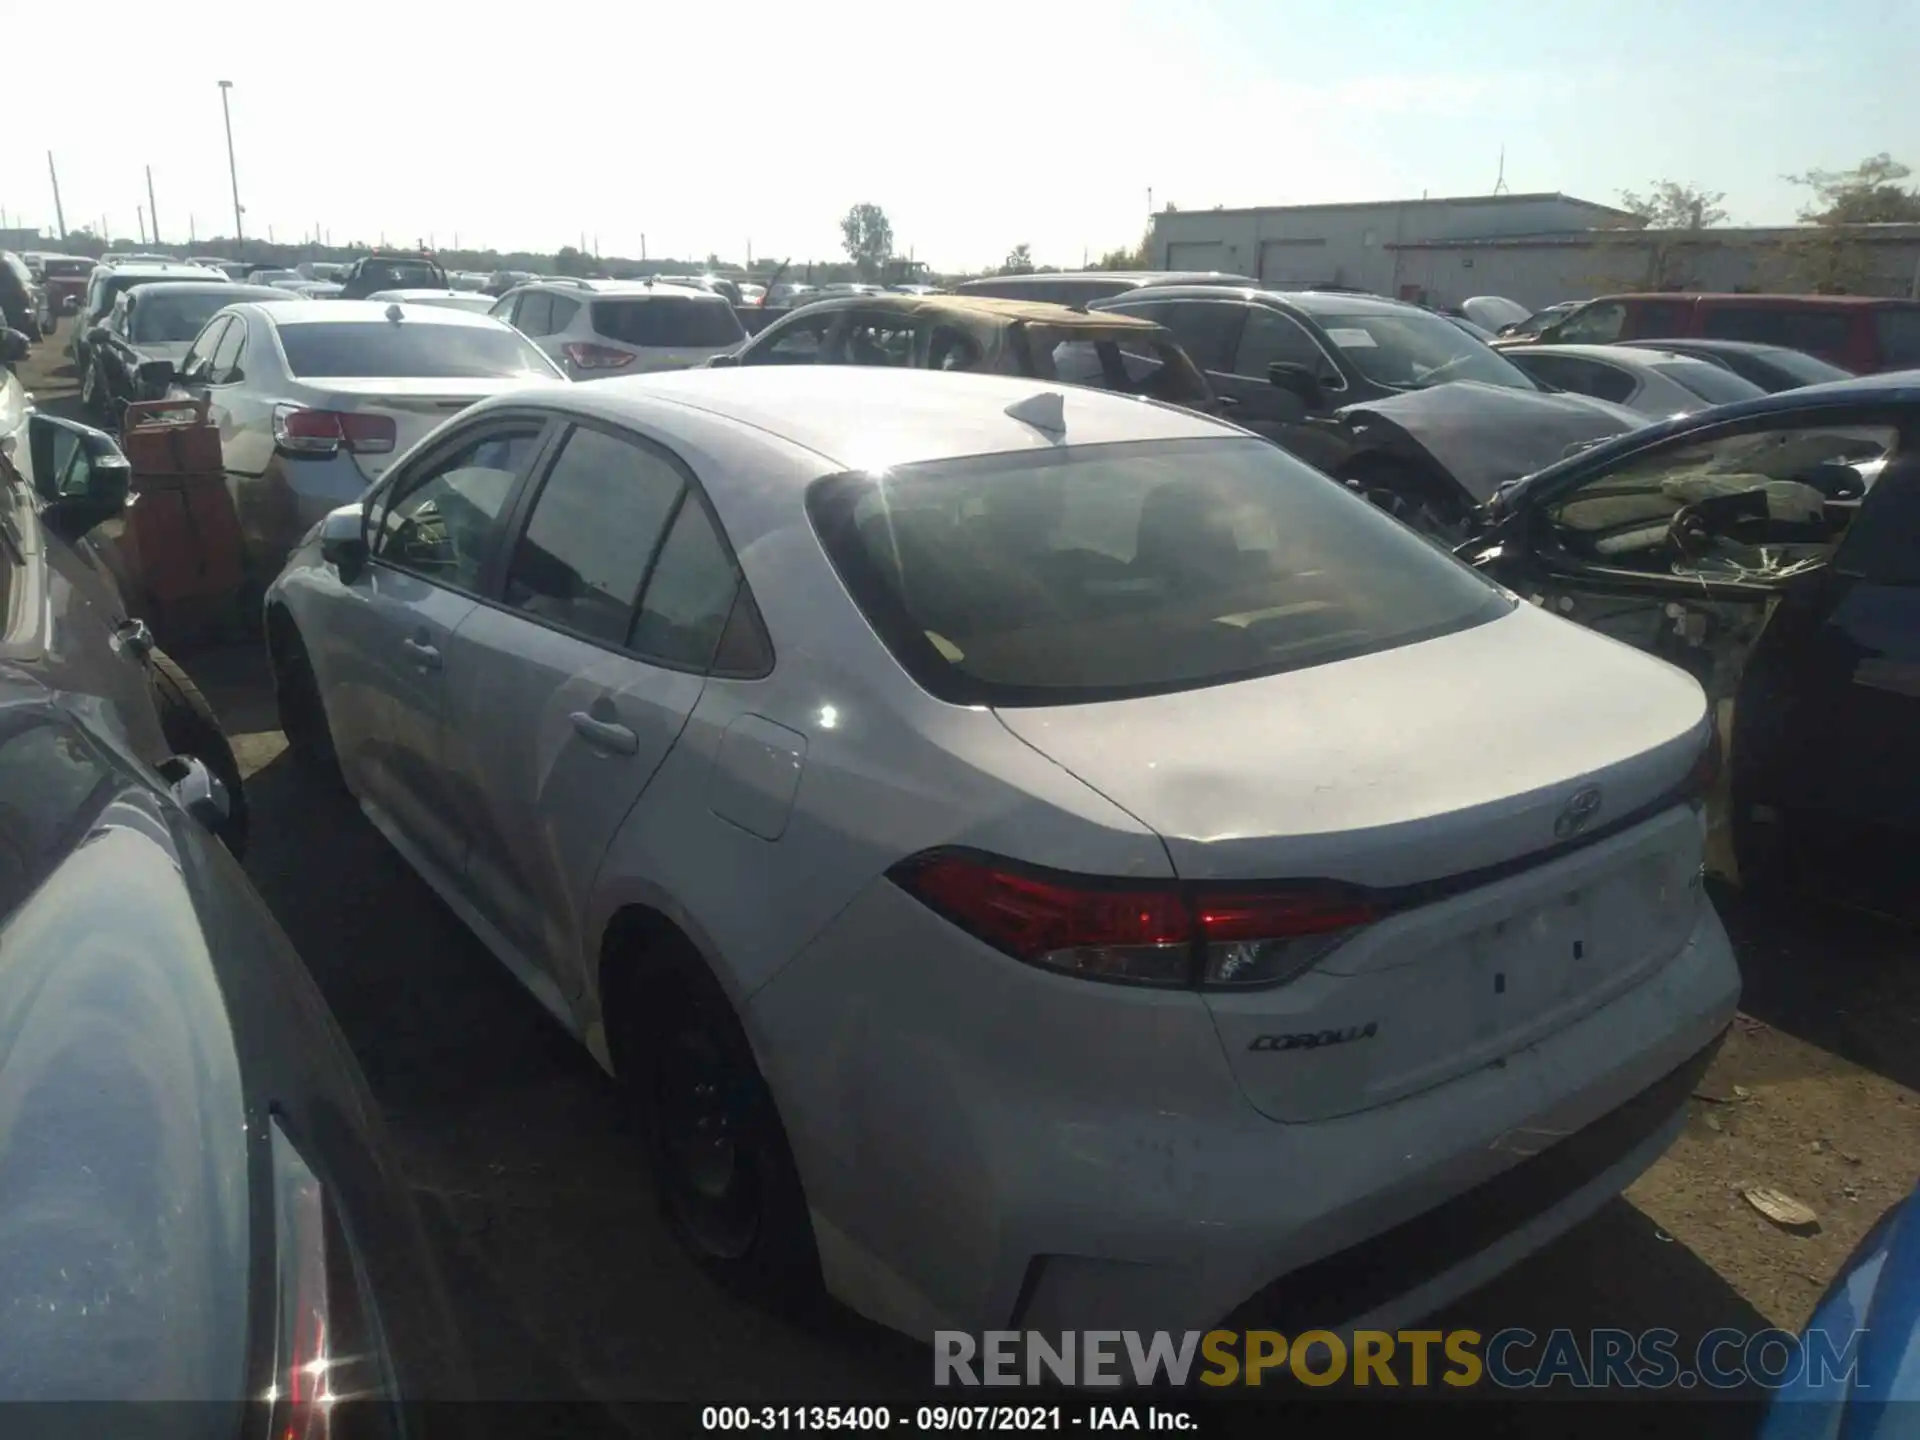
x=1655, y=383
x=1035, y=857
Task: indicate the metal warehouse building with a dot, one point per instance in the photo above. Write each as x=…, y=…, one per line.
x=1535, y=249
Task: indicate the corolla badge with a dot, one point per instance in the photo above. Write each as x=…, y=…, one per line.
x=1577, y=812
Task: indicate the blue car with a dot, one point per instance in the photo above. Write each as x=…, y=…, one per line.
x=1876, y=1294
x=1772, y=548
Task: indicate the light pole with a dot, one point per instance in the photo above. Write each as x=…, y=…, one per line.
x=233, y=173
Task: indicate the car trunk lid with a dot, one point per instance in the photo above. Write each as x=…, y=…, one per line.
x=1456, y=785
x=415, y=406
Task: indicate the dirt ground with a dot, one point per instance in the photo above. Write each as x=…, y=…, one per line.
x=512, y=1135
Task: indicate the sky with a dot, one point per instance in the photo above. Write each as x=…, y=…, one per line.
x=976, y=127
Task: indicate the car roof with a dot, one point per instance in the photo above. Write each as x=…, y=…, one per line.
x=1638, y=357
x=148, y=268
x=1133, y=277
x=983, y=307
x=297, y=310
x=1688, y=344
x=1313, y=302
x=623, y=287
x=857, y=417
x=234, y=294
x=403, y=293
x=1746, y=298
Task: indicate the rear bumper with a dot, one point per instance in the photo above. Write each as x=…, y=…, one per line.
x=277, y=508
x=1113, y=1176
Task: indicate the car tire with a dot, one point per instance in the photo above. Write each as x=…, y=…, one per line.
x=1410, y=496
x=303, y=714
x=191, y=728
x=724, y=1173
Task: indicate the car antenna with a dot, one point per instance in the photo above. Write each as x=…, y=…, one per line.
x=1045, y=411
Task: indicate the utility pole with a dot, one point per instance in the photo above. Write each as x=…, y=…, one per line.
x=140, y=219
x=59, y=215
x=153, y=211
x=233, y=171
x=643, y=245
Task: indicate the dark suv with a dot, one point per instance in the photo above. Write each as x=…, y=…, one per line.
x=391, y=271
x=1358, y=386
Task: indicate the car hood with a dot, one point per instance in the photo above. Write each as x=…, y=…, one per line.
x=1485, y=435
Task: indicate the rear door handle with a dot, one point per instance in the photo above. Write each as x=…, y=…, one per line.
x=604, y=734
x=424, y=655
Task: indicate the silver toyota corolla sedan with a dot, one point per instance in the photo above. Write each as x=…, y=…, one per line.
x=1036, y=857
x=313, y=399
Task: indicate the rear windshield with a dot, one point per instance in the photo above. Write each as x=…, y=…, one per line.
x=67, y=269
x=1128, y=364
x=680, y=321
x=411, y=348
x=1899, y=332
x=1709, y=382
x=1103, y=571
x=163, y=316
x=403, y=275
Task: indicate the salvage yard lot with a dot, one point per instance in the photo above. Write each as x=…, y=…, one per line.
x=570, y=1288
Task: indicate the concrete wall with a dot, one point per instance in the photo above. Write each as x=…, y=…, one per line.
x=1347, y=244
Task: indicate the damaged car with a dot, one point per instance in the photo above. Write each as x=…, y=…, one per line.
x=1772, y=549
x=1397, y=401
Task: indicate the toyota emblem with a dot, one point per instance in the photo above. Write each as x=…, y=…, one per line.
x=1574, y=815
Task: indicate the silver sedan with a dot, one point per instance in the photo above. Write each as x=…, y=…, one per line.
x=314, y=398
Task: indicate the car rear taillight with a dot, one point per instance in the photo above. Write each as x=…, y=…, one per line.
x=1140, y=933
x=322, y=432
x=301, y=1393
x=596, y=357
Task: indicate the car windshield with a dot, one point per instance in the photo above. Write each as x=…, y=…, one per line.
x=700, y=322
x=1097, y=572
x=1411, y=349
x=164, y=316
x=413, y=348
x=1708, y=381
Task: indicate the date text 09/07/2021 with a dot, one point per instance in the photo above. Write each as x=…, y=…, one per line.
x=922, y=1418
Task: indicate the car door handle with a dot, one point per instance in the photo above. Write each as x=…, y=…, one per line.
x=424, y=655
x=605, y=734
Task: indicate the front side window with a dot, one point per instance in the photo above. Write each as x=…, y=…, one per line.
x=592, y=535
x=225, y=369
x=438, y=521
x=951, y=349
x=1208, y=330
x=1596, y=324
x=1754, y=504
x=802, y=341
x=1413, y=349
x=1269, y=336
x=1095, y=572
x=879, y=340
x=199, y=355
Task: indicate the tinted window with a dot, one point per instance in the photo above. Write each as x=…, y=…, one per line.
x=1126, y=364
x=689, y=595
x=1796, y=327
x=1597, y=324
x=593, y=531
x=1209, y=331
x=563, y=312
x=1899, y=335
x=68, y=269
x=49, y=775
x=438, y=520
x=879, y=340
x=1884, y=546
x=163, y=315
x=535, y=315
x=226, y=359
x=1269, y=336
x=202, y=349
x=411, y=348
x=687, y=321
x=952, y=349
x=1709, y=382
x=1582, y=377
x=1772, y=366
x=1661, y=317
x=401, y=275
x=1090, y=572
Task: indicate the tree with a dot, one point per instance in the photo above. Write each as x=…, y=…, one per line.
x=1868, y=194
x=1019, y=260
x=570, y=261
x=1128, y=259
x=867, y=237
x=1675, y=216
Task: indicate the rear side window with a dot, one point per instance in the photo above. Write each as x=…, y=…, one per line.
x=1709, y=382
x=1596, y=324
x=411, y=348
x=669, y=321
x=1096, y=572
x=1660, y=317
x=593, y=533
x=689, y=594
x=1899, y=335
x=563, y=312
x=535, y=315
x=1125, y=364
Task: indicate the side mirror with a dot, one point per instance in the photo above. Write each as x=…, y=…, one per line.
x=70, y=305
x=1297, y=380
x=199, y=791
x=13, y=347
x=78, y=472
x=722, y=362
x=156, y=377
x=343, y=541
